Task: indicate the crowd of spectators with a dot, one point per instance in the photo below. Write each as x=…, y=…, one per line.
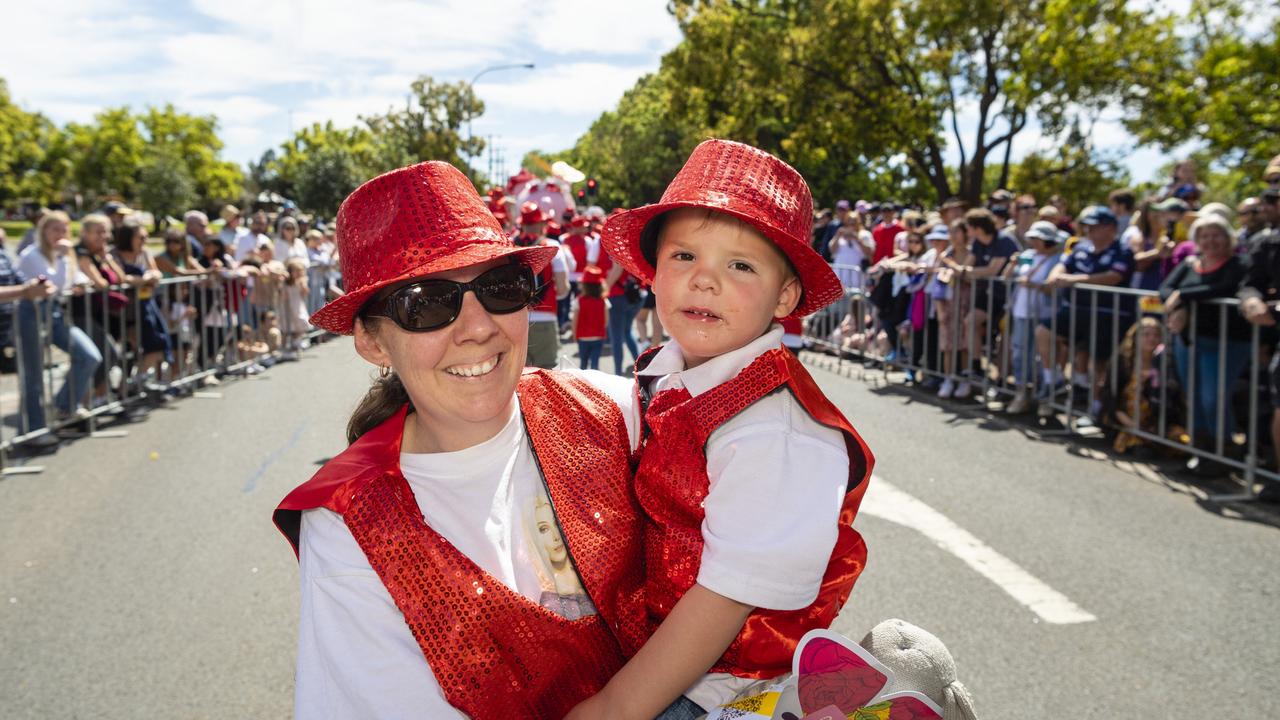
x=136, y=327
x=1140, y=313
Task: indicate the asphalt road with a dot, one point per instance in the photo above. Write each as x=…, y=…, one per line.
x=140, y=577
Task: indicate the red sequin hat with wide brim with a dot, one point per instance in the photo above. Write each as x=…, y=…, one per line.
x=751, y=185
x=418, y=220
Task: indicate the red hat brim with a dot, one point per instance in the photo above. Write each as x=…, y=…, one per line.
x=339, y=315
x=621, y=238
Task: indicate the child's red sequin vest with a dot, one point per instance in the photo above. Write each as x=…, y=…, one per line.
x=495, y=653
x=671, y=485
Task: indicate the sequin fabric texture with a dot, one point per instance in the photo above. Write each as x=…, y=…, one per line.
x=672, y=484
x=414, y=221
x=749, y=184
x=496, y=653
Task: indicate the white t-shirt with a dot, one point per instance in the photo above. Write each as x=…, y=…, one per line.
x=246, y=243
x=777, y=482
x=296, y=249
x=1036, y=268
x=356, y=656
x=847, y=255
x=61, y=273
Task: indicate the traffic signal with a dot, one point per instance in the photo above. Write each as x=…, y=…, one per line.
x=592, y=187
x=582, y=195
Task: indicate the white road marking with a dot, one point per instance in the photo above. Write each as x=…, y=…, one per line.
x=887, y=502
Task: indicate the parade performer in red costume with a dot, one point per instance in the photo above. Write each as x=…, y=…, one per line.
x=749, y=476
x=472, y=552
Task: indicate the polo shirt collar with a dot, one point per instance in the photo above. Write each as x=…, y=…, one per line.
x=669, y=365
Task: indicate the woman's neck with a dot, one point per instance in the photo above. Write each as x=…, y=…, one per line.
x=425, y=434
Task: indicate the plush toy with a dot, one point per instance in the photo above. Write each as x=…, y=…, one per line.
x=920, y=662
x=899, y=673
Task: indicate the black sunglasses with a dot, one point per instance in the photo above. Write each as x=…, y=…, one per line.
x=432, y=304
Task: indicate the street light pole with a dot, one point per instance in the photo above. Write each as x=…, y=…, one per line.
x=472, y=85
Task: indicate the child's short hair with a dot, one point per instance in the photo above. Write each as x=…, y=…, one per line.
x=592, y=290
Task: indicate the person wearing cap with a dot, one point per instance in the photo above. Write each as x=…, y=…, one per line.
x=1100, y=261
x=464, y=556
x=1253, y=223
x=1176, y=218
x=544, y=322
x=749, y=493
x=1031, y=304
x=116, y=212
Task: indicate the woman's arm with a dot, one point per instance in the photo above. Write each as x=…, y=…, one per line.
x=686, y=645
x=91, y=271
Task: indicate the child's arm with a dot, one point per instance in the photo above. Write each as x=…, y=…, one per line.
x=686, y=644
x=573, y=318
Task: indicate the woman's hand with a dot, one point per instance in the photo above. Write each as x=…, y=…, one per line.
x=38, y=289
x=1173, y=301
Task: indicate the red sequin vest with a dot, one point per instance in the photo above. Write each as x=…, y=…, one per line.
x=495, y=653
x=671, y=485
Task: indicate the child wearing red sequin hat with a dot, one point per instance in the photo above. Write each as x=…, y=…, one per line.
x=749, y=477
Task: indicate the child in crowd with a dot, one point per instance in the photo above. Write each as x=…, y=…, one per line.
x=748, y=493
x=1141, y=400
x=269, y=332
x=590, y=318
x=296, y=318
x=1032, y=302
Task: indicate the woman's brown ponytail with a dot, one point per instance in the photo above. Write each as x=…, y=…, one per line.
x=384, y=399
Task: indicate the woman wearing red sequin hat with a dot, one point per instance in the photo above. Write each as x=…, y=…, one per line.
x=749, y=477
x=428, y=589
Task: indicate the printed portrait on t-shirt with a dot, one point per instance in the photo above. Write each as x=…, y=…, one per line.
x=562, y=591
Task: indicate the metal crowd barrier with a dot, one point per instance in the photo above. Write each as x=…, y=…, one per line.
x=100, y=345
x=1084, y=338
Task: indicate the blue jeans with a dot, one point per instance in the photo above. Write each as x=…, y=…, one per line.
x=589, y=354
x=1205, y=403
x=85, y=358
x=682, y=709
x=1024, y=350
x=621, y=316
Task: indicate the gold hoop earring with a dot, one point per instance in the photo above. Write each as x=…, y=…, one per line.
x=384, y=371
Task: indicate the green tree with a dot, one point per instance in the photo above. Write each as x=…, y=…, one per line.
x=321, y=164
x=429, y=127
x=1217, y=84
x=165, y=183
x=194, y=138
x=108, y=154
x=33, y=155
x=859, y=93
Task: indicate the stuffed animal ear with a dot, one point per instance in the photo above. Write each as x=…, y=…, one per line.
x=833, y=670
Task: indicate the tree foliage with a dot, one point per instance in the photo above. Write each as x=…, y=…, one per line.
x=165, y=183
x=34, y=164
x=1218, y=84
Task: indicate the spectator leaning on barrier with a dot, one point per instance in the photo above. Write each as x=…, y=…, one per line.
x=176, y=259
x=843, y=211
x=886, y=232
x=1024, y=214
x=197, y=225
x=101, y=313
x=1091, y=326
x=44, y=322
x=147, y=332
x=1150, y=246
x=1260, y=296
x=1031, y=303
x=290, y=243
x=989, y=253
x=1214, y=272
x=117, y=213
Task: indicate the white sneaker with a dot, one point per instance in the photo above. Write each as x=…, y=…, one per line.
x=947, y=390
x=963, y=390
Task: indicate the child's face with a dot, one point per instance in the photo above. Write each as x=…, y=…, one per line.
x=719, y=284
x=1150, y=338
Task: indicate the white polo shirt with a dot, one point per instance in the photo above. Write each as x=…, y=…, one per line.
x=777, y=482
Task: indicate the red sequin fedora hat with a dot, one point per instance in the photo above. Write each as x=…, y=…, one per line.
x=418, y=220
x=751, y=185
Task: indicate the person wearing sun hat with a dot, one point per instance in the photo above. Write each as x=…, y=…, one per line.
x=740, y=439
x=479, y=528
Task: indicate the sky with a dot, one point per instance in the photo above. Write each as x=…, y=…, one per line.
x=269, y=67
